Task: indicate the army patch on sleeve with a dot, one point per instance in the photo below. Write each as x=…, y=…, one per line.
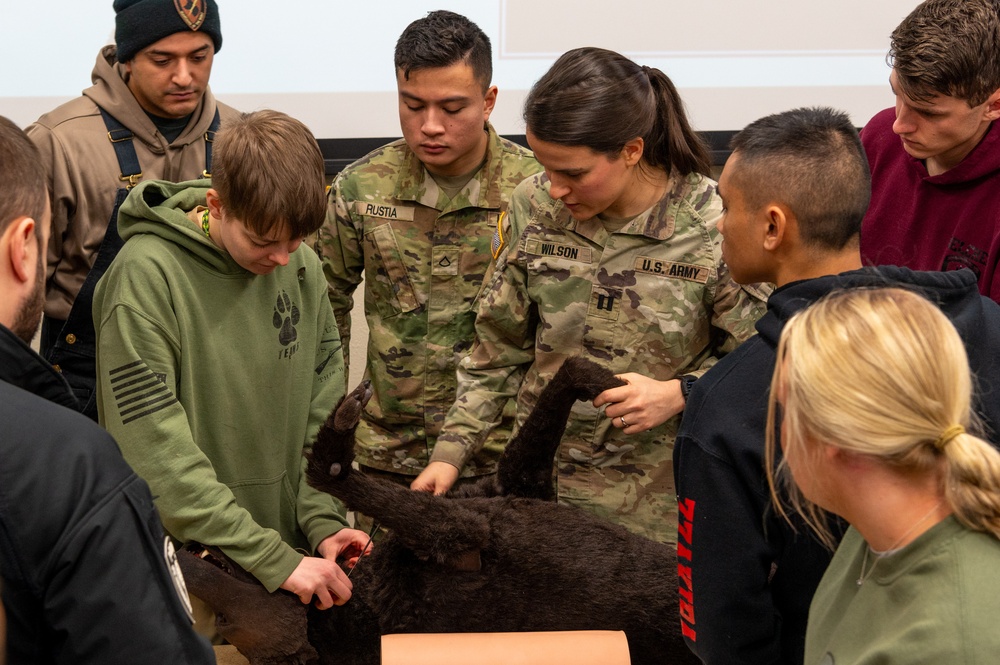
x=138, y=391
x=499, y=238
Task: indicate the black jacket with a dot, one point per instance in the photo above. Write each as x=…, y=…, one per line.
x=747, y=577
x=85, y=579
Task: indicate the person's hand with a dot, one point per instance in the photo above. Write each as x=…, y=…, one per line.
x=322, y=578
x=346, y=544
x=438, y=478
x=642, y=404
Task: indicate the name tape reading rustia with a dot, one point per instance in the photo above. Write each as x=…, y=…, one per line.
x=382, y=210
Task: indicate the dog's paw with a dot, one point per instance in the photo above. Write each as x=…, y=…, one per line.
x=586, y=377
x=348, y=414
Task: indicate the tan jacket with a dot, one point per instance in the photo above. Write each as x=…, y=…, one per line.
x=84, y=173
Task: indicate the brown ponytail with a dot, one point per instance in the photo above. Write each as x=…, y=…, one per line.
x=670, y=142
x=600, y=99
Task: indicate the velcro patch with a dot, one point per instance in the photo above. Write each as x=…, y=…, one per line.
x=571, y=252
x=499, y=239
x=605, y=302
x=686, y=271
x=192, y=12
x=444, y=260
x=385, y=211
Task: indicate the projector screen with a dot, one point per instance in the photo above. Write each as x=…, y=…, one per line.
x=329, y=63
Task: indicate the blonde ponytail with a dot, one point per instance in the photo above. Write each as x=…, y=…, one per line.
x=972, y=482
x=884, y=374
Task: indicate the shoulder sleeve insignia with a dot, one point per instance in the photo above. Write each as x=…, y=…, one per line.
x=499, y=238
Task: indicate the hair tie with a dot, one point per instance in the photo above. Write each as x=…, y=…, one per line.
x=645, y=70
x=948, y=435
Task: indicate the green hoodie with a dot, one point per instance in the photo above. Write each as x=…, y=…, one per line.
x=213, y=380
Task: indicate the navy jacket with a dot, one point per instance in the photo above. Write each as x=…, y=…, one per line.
x=746, y=577
x=82, y=551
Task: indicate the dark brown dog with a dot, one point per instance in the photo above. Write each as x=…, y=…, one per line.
x=496, y=557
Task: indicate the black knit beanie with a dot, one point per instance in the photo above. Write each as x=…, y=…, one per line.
x=139, y=23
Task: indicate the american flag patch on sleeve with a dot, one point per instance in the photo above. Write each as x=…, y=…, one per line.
x=139, y=391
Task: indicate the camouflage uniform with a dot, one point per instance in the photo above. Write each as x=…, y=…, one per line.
x=423, y=258
x=653, y=298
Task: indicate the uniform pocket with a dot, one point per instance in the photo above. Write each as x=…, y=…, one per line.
x=388, y=274
x=668, y=322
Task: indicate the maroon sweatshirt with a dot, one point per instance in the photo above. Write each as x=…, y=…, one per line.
x=943, y=222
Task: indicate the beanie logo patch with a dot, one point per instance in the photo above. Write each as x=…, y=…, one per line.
x=192, y=12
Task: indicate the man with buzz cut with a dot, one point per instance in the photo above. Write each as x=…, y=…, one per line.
x=935, y=157
x=795, y=190
x=416, y=219
x=149, y=115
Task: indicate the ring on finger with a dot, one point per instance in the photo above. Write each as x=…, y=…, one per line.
x=622, y=418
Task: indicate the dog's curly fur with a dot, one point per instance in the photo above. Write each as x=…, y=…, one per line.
x=494, y=557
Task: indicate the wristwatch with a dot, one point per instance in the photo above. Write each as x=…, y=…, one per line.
x=687, y=382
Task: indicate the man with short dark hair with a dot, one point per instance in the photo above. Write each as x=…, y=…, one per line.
x=795, y=191
x=935, y=157
x=87, y=576
x=416, y=219
x=149, y=115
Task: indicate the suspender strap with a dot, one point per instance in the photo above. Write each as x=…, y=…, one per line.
x=128, y=162
x=209, y=137
x=74, y=348
x=121, y=140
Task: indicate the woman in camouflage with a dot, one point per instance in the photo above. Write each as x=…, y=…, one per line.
x=612, y=254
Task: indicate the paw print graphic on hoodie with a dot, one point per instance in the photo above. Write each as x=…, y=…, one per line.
x=286, y=317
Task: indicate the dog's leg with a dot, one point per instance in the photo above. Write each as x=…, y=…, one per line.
x=525, y=468
x=404, y=512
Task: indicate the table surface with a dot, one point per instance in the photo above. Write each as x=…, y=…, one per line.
x=228, y=655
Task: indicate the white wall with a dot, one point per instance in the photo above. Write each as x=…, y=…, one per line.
x=330, y=62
